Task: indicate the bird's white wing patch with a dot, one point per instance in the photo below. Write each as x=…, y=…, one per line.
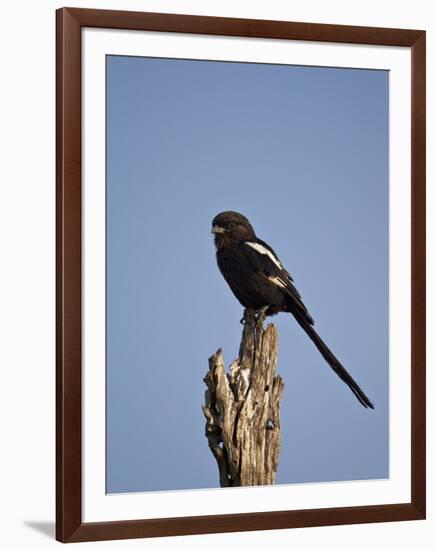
x=263, y=250
x=278, y=282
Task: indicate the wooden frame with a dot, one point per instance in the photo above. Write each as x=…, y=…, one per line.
x=69, y=526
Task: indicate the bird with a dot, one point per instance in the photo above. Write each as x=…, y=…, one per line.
x=261, y=283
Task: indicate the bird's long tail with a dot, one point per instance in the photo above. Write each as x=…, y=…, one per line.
x=334, y=363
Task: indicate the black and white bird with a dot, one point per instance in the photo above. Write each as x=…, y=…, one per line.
x=259, y=281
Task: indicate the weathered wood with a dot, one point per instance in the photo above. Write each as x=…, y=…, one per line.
x=242, y=408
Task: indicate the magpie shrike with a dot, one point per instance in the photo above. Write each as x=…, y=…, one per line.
x=261, y=283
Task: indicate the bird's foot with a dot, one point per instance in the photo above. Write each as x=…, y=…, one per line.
x=260, y=315
x=246, y=315
x=243, y=320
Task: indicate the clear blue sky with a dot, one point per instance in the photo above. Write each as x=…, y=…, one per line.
x=303, y=153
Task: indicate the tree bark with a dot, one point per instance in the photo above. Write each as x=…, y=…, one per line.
x=242, y=408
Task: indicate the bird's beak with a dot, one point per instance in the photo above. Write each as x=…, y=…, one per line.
x=217, y=229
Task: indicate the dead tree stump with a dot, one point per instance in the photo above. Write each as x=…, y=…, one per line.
x=242, y=408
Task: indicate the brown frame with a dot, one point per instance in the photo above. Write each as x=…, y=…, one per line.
x=69, y=526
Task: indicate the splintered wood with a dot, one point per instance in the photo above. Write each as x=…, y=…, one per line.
x=242, y=408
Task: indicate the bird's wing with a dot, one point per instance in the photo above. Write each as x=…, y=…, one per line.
x=263, y=260
x=275, y=257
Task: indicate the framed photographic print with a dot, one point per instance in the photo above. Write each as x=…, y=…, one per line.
x=240, y=274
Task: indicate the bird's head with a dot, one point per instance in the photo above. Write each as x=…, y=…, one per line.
x=230, y=227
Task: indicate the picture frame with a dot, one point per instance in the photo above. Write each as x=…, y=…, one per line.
x=70, y=525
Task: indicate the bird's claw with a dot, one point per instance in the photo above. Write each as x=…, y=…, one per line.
x=260, y=314
x=243, y=320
